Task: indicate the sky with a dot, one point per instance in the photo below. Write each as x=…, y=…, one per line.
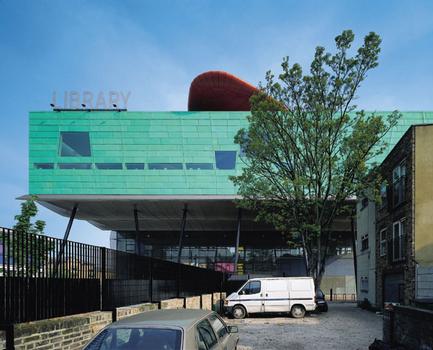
x=154, y=49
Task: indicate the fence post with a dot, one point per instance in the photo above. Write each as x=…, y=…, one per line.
x=151, y=279
x=330, y=294
x=103, y=252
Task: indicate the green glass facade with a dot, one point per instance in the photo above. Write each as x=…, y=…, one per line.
x=144, y=153
x=189, y=140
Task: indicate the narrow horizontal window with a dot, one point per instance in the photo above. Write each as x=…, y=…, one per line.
x=134, y=166
x=165, y=166
x=201, y=166
x=109, y=166
x=225, y=160
x=74, y=144
x=44, y=165
x=75, y=165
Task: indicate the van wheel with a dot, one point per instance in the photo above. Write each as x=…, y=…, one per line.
x=298, y=311
x=239, y=312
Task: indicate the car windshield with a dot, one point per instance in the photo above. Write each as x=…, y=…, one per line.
x=137, y=338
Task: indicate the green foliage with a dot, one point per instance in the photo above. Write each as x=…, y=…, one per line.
x=306, y=149
x=23, y=220
x=26, y=248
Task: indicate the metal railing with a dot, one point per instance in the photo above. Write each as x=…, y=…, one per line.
x=39, y=279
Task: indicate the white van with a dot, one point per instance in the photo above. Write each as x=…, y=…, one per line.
x=280, y=294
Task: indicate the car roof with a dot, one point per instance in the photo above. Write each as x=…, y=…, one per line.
x=183, y=318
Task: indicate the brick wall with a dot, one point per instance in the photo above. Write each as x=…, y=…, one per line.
x=73, y=332
x=408, y=326
x=126, y=311
x=192, y=303
x=70, y=332
x=176, y=303
x=387, y=215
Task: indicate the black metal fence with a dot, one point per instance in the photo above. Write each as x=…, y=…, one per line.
x=43, y=277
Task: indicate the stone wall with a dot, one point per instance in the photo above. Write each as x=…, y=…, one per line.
x=192, y=303
x=2, y=340
x=176, y=303
x=70, y=332
x=73, y=332
x=408, y=326
x=206, y=301
x=126, y=311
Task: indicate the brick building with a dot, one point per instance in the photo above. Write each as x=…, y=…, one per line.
x=404, y=221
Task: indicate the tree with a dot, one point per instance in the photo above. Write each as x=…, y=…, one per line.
x=28, y=248
x=307, y=151
x=23, y=220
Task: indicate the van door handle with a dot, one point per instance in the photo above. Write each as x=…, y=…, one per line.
x=266, y=294
x=261, y=294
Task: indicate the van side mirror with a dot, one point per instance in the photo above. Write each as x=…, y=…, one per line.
x=242, y=292
x=233, y=329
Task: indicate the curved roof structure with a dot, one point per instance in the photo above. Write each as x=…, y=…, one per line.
x=219, y=91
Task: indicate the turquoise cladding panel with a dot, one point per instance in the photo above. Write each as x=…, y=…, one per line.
x=147, y=137
x=135, y=137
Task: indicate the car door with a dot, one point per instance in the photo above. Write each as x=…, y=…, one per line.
x=206, y=338
x=251, y=296
x=277, y=296
x=226, y=341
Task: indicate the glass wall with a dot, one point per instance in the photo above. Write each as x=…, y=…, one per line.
x=222, y=258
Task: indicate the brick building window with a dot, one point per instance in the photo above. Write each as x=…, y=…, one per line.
x=364, y=242
x=382, y=246
x=383, y=197
x=364, y=284
x=399, y=183
x=398, y=240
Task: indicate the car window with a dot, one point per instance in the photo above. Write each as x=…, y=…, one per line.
x=137, y=338
x=206, y=334
x=252, y=287
x=219, y=327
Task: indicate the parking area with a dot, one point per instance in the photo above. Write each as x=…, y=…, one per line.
x=344, y=327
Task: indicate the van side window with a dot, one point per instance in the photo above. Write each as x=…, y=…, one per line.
x=252, y=287
x=206, y=334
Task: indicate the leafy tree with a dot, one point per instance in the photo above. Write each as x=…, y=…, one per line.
x=307, y=151
x=29, y=249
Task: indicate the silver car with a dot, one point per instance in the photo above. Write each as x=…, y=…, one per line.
x=181, y=329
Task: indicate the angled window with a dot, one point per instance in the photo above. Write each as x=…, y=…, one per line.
x=109, y=166
x=44, y=165
x=165, y=166
x=202, y=166
x=134, y=166
x=75, y=165
x=225, y=160
x=74, y=144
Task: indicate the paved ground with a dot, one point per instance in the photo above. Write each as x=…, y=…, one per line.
x=344, y=327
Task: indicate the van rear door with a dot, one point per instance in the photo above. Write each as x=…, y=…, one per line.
x=301, y=291
x=276, y=295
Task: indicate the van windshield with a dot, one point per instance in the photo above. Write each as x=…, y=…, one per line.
x=137, y=338
x=252, y=287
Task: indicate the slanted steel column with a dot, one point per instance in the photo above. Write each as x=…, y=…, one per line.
x=182, y=232
x=238, y=236
x=137, y=230
x=65, y=238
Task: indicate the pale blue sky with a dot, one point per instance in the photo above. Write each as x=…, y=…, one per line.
x=155, y=48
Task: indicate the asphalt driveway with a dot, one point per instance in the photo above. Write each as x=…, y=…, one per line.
x=344, y=327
